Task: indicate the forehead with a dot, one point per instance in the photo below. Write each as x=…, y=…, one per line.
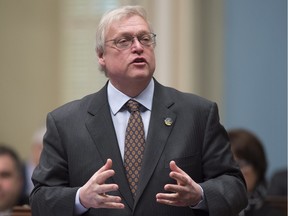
x=132, y=25
x=7, y=163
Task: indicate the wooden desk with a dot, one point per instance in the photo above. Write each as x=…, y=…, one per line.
x=277, y=202
x=21, y=211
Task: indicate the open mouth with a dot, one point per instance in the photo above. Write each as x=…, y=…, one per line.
x=139, y=60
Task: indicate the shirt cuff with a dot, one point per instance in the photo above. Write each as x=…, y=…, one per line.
x=202, y=203
x=79, y=208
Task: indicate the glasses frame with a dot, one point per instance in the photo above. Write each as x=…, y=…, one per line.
x=131, y=40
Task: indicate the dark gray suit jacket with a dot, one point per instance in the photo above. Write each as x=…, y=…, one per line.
x=81, y=137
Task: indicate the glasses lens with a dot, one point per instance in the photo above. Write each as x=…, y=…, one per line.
x=126, y=42
x=147, y=39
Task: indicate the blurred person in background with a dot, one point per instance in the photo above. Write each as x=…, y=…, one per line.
x=11, y=181
x=278, y=183
x=32, y=162
x=249, y=152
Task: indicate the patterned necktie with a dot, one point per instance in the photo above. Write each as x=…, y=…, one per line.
x=134, y=145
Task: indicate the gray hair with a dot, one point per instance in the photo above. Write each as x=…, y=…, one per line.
x=112, y=16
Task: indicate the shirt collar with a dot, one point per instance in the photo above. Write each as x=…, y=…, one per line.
x=117, y=99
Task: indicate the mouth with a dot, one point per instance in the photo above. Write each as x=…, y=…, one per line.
x=139, y=61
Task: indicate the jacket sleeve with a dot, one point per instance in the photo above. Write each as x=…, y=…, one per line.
x=224, y=185
x=52, y=194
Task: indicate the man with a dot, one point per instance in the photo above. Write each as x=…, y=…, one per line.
x=88, y=166
x=11, y=182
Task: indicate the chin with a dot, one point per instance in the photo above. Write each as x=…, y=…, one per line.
x=141, y=77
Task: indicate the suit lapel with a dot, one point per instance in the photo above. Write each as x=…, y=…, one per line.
x=100, y=126
x=158, y=133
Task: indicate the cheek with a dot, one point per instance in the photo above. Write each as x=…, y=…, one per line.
x=11, y=185
x=152, y=59
x=116, y=61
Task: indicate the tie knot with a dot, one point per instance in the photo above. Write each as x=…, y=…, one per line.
x=132, y=106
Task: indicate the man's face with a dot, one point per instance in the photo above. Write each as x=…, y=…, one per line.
x=136, y=63
x=10, y=182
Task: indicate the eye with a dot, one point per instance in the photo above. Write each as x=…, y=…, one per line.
x=5, y=175
x=123, y=41
x=146, y=38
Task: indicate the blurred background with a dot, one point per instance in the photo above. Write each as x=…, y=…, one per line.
x=233, y=52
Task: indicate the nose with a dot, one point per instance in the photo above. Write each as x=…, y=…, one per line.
x=137, y=47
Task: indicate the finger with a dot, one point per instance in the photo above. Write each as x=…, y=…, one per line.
x=104, y=198
x=112, y=205
x=106, y=166
x=175, y=168
x=179, y=175
x=106, y=188
x=174, y=188
x=169, y=199
x=103, y=173
x=108, y=201
x=167, y=196
x=180, y=178
x=171, y=203
x=102, y=177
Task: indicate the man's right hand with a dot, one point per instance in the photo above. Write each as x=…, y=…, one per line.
x=93, y=193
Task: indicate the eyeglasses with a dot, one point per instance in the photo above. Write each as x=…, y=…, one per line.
x=125, y=42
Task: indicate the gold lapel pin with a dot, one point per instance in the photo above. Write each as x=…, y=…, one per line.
x=168, y=121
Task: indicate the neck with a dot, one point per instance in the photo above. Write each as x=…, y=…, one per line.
x=131, y=89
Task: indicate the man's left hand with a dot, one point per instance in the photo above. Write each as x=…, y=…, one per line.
x=185, y=193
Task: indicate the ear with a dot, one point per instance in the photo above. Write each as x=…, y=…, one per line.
x=101, y=59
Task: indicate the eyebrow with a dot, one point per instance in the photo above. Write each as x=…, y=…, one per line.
x=129, y=34
x=5, y=174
